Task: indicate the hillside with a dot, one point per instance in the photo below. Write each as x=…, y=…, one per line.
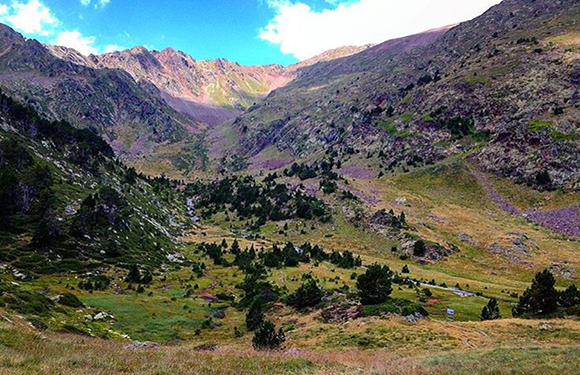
x=68, y=206
x=130, y=117
x=502, y=87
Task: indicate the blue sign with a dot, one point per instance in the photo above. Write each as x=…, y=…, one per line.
x=450, y=312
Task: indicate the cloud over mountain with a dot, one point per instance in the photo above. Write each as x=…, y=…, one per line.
x=302, y=31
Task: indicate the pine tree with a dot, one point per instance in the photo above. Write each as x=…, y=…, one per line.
x=235, y=249
x=570, y=297
x=541, y=298
x=308, y=295
x=491, y=311
x=419, y=249
x=266, y=337
x=375, y=285
x=403, y=219
x=405, y=269
x=255, y=315
x=134, y=275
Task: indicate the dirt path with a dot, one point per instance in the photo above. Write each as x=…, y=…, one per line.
x=206, y=292
x=459, y=292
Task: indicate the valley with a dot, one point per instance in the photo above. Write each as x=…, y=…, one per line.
x=409, y=207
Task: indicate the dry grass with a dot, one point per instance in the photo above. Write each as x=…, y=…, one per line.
x=489, y=348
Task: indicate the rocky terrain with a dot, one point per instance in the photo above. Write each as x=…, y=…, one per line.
x=209, y=91
x=131, y=117
x=504, y=85
x=68, y=205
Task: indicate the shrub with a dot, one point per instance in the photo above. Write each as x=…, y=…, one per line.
x=491, y=311
x=419, y=249
x=266, y=337
x=395, y=306
x=134, y=276
x=375, y=285
x=570, y=297
x=543, y=179
x=308, y=295
x=70, y=300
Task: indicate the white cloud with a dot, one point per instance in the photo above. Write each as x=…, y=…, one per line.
x=303, y=32
x=98, y=3
x=35, y=19
x=74, y=39
x=113, y=48
x=32, y=17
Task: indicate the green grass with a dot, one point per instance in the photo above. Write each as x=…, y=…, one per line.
x=477, y=80
x=155, y=318
x=538, y=125
x=562, y=137
x=407, y=117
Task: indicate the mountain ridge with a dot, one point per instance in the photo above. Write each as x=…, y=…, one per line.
x=209, y=91
x=129, y=116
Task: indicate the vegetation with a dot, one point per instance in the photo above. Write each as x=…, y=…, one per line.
x=491, y=310
x=542, y=299
x=374, y=286
x=262, y=202
x=61, y=189
x=308, y=295
x=266, y=337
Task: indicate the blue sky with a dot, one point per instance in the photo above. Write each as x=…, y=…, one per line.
x=246, y=31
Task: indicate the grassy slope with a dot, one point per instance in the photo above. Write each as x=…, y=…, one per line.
x=25, y=352
x=443, y=202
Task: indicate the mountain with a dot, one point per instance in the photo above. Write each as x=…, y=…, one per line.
x=208, y=91
x=329, y=55
x=502, y=88
x=129, y=116
x=211, y=91
x=137, y=99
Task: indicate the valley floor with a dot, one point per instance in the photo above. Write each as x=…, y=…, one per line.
x=499, y=254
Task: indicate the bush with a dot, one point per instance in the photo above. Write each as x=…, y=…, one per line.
x=491, y=311
x=419, y=249
x=308, y=295
x=375, y=285
x=70, y=300
x=570, y=297
x=266, y=337
x=395, y=306
x=134, y=276
x=28, y=303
